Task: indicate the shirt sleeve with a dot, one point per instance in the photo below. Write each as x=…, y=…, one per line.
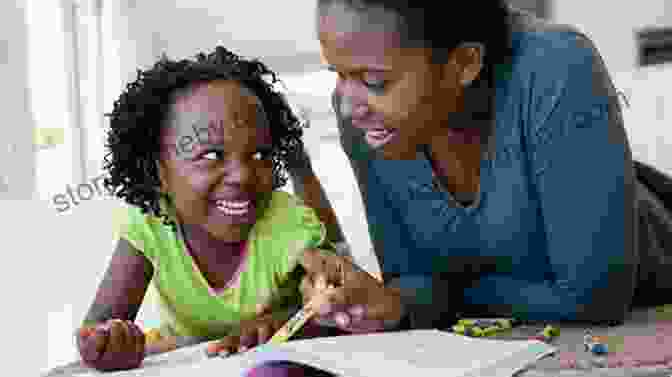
x=581, y=167
x=302, y=230
x=133, y=226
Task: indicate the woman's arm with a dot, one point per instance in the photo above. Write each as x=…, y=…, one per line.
x=429, y=300
x=581, y=168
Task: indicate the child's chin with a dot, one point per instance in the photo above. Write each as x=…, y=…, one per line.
x=231, y=232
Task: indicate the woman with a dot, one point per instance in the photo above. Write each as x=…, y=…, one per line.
x=495, y=170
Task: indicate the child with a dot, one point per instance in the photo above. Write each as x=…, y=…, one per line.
x=198, y=149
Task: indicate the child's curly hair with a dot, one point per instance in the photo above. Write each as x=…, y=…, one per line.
x=138, y=117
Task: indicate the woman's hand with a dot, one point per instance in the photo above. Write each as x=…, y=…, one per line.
x=251, y=333
x=113, y=345
x=358, y=303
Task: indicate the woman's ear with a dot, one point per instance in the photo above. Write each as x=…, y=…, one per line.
x=467, y=62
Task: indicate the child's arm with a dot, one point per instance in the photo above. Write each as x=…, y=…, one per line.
x=123, y=287
x=108, y=339
x=307, y=186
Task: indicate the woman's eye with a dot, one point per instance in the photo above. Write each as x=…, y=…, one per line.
x=375, y=84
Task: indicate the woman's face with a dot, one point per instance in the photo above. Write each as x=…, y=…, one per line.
x=395, y=94
x=216, y=158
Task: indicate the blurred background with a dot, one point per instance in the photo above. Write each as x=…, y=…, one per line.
x=64, y=62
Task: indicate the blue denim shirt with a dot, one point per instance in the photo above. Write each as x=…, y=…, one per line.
x=555, y=208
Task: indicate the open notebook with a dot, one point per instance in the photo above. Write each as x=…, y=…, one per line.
x=428, y=353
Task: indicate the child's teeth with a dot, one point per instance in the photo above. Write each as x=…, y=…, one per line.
x=233, y=208
x=233, y=205
x=235, y=212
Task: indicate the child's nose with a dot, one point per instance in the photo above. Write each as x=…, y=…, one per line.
x=239, y=173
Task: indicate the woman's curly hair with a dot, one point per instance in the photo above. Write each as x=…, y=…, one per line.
x=139, y=115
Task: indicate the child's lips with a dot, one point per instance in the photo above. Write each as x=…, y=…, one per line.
x=242, y=211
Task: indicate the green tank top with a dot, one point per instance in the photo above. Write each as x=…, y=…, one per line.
x=187, y=304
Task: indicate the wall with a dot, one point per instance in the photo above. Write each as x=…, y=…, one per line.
x=20, y=276
x=276, y=28
x=17, y=161
x=612, y=26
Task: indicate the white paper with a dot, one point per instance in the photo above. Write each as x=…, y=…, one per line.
x=425, y=353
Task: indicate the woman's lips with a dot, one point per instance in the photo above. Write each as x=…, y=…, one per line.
x=375, y=133
x=377, y=137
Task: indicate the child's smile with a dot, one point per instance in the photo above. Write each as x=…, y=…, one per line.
x=216, y=158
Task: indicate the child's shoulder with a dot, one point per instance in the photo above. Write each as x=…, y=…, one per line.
x=287, y=227
x=288, y=216
x=131, y=223
x=128, y=214
x=286, y=207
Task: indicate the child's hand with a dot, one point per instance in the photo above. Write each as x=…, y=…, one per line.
x=251, y=333
x=113, y=345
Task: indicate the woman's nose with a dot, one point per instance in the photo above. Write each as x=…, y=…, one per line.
x=352, y=108
x=353, y=95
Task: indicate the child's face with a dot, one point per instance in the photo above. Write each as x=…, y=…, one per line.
x=216, y=158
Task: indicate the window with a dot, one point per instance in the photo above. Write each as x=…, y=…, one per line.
x=66, y=81
x=48, y=75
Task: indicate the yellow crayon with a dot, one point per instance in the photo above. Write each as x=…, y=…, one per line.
x=293, y=325
x=298, y=320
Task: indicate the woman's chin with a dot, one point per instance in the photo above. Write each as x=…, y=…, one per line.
x=394, y=151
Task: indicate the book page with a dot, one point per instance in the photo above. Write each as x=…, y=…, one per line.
x=423, y=352
x=430, y=352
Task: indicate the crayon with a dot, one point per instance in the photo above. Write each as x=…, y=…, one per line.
x=599, y=349
x=298, y=320
x=551, y=332
x=293, y=325
x=546, y=335
x=474, y=331
x=594, y=344
x=492, y=330
x=152, y=335
x=486, y=322
x=86, y=332
x=459, y=329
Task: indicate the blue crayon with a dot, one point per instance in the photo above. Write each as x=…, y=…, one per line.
x=598, y=348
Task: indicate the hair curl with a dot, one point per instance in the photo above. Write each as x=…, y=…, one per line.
x=139, y=115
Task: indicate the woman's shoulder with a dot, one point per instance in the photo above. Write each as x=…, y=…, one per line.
x=546, y=56
x=535, y=38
